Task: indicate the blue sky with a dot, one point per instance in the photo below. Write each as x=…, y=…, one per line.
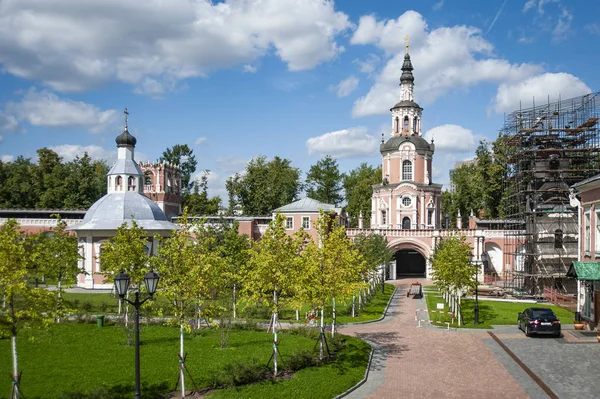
x=300, y=79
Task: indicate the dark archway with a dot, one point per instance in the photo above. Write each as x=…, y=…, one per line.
x=410, y=263
x=406, y=223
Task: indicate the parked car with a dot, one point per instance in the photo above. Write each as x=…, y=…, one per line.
x=539, y=321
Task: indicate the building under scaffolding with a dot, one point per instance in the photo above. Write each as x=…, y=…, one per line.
x=550, y=147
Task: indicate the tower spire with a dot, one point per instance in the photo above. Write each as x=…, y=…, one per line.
x=126, y=117
x=406, y=40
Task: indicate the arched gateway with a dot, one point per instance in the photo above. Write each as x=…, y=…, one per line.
x=410, y=258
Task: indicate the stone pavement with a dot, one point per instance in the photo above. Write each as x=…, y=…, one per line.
x=428, y=362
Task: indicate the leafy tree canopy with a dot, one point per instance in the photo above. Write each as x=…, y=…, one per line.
x=182, y=156
x=358, y=185
x=324, y=181
x=197, y=202
x=265, y=186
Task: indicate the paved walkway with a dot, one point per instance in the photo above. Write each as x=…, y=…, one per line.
x=428, y=362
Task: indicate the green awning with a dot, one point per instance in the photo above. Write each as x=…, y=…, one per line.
x=584, y=270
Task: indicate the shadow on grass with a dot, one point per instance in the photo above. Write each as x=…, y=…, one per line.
x=121, y=391
x=486, y=313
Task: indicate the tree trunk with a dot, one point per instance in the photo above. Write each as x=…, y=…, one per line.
x=234, y=302
x=360, y=300
x=59, y=287
x=353, y=296
x=297, y=314
x=15, y=372
x=181, y=364
x=275, y=334
x=322, y=334
x=333, y=319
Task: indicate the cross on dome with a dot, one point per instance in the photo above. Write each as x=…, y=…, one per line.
x=406, y=40
x=126, y=117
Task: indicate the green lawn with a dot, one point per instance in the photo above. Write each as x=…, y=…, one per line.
x=75, y=359
x=490, y=312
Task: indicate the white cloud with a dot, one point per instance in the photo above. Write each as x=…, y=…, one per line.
x=7, y=158
x=451, y=138
x=69, y=151
x=151, y=44
x=200, y=140
x=44, y=108
x=539, y=87
x=346, y=143
x=530, y=4
x=563, y=25
x=438, y=6
x=368, y=65
x=8, y=122
x=594, y=28
x=249, y=68
x=557, y=21
x=346, y=86
x=231, y=164
x=444, y=59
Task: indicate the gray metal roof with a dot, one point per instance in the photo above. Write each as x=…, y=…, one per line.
x=307, y=205
x=125, y=167
x=406, y=104
x=421, y=145
x=112, y=210
x=586, y=181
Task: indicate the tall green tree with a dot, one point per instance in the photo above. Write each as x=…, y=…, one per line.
x=324, y=181
x=60, y=260
x=332, y=268
x=273, y=271
x=183, y=156
x=188, y=271
x=198, y=202
x=19, y=187
x=265, y=186
x=358, y=185
x=23, y=303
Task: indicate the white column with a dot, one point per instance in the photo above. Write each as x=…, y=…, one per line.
x=89, y=261
x=423, y=219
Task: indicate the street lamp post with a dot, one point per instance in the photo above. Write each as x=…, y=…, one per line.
x=383, y=266
x=476, y=308
x=122, y=285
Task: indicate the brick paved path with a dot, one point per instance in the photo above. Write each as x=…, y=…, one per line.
x=430, y=363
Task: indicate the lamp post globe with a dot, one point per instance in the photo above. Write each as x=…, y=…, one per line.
x=151, y=280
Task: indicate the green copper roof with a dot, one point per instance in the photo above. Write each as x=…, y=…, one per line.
x=584, y=270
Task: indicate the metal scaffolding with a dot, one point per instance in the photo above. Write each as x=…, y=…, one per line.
x=550, y=147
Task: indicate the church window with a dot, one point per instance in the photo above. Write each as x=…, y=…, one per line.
x=131, y=183
x=406, y=201
x=407, y=170
x=406, y=223
x=118, y=182
x=406, y=124
x=147, y=180
x=289, y=223
x=383, y=218
x=430, y=217
x=397, y=125
x=415, y=125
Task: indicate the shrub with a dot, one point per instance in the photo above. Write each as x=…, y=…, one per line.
x=238, y=373
x=88, y=306
x=301, y=359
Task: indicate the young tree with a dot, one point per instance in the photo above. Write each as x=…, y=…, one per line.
x=375, y=252
x=24, y=304
x=358, y=185
x=332, y=268
x=235, y=251
x=127, y=252
x=273, y=271
x=188, y=271
x=60, y=257
x=452, y=271
x=324, y=181
x=265, y=186
x=182, y=156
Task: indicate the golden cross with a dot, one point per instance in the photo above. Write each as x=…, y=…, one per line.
x=406, y=39
x=126, y=116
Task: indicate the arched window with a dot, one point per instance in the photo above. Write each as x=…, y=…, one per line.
x=407, y=170
x=397, y=125
x=147, y=180
x=118, y=183
x=406, y=223
x=406, y=123
x=131, y=183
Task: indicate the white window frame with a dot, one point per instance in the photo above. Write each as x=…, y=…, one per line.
x=407, y=162
x=587, y=232
x=306, y=222
x=409, y=201
x=289, y=223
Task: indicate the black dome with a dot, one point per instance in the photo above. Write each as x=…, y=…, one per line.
x=406, y=104
x=125, y=139
x=421, y=145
